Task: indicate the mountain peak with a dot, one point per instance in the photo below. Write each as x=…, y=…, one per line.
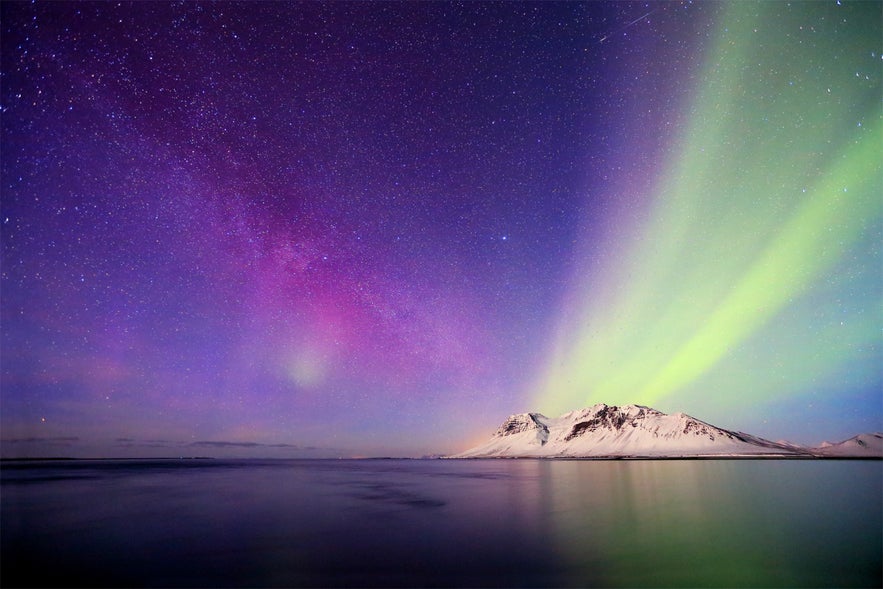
x=528, y=425
x=864, y=445
x=638, y=431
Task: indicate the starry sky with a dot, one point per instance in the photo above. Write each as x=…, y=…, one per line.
x=363, y=229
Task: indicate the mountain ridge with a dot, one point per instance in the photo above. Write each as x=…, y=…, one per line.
x=638, y=431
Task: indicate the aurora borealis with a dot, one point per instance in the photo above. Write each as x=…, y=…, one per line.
x=756, y=274
x=323, y=229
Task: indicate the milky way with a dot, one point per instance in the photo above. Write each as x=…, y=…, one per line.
x=321, y=229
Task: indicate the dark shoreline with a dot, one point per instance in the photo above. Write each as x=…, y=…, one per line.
x=105, y=459
x=654, y=458
x=551, y=458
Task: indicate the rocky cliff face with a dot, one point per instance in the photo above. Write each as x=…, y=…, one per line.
x=524, y=422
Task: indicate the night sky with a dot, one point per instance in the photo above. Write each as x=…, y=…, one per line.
x=360, y=229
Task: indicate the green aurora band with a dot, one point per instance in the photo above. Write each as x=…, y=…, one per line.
x=758, y=273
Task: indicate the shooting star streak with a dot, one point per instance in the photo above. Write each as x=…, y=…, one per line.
x=623, y=28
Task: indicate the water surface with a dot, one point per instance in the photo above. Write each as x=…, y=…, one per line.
x=746, y=523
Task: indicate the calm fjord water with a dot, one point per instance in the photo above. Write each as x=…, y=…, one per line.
x=749, y=523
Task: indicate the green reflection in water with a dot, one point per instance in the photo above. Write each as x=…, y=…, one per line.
x=716, y=523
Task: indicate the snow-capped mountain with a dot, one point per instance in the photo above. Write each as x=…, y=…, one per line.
x=862, y=445
x=627, y=431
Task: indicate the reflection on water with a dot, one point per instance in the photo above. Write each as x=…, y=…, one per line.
x=721, y=523
x=443, y=523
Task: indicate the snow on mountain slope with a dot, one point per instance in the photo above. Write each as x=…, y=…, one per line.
x=630, y=430
x=863, y=445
